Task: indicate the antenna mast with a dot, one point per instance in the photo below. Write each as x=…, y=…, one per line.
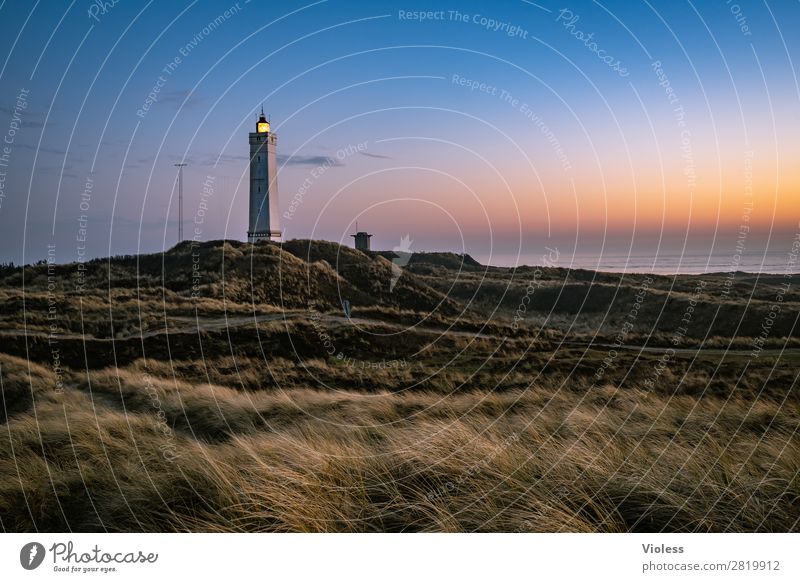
x=180, y=201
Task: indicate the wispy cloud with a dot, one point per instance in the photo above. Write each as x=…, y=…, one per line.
x=219, y=159
x=68, y=171
x=309, y=161
x=29, y=119
x=73, y=155
x=210, y=160
x=178, y=96
x=42, y=149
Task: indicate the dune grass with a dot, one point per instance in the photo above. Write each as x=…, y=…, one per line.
x=217, y=405
x=213, y=458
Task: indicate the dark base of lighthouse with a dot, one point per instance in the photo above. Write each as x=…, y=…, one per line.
x=263, y=235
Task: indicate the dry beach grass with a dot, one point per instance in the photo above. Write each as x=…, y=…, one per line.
x=254, y=426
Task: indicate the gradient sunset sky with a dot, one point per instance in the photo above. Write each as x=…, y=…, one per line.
x=500, y=130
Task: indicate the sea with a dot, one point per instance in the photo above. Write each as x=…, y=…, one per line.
x=697, y=263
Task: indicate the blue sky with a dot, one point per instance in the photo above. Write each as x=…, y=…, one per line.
x=552, y=146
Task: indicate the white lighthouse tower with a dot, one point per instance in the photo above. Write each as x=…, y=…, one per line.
x=263, y=183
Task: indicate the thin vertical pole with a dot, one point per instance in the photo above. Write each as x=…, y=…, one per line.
x=180, y=201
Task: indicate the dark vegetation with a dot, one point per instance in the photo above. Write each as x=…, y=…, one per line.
x=145, y=394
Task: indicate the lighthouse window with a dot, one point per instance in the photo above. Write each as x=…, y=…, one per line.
x=258, y=158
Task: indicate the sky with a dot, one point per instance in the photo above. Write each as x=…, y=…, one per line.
x=501, y=129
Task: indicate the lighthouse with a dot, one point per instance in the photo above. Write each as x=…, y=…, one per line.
x=263, y=183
